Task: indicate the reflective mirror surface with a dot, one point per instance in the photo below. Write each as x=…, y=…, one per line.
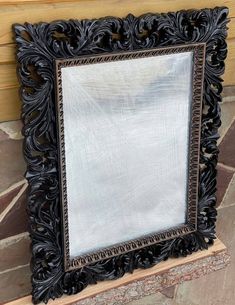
x=126, y=128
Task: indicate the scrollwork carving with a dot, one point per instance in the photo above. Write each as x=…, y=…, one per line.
x=38, y=47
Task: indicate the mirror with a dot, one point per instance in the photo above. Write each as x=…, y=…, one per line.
x=126, y=130
x=121, y=120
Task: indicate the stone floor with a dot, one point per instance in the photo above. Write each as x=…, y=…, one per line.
x=215, y=289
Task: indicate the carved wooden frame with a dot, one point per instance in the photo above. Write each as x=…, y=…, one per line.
x=41, y=47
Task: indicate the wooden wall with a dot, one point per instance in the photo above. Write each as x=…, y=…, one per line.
x=20, y=11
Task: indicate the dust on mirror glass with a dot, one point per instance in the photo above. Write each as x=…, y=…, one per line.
x=126, y=129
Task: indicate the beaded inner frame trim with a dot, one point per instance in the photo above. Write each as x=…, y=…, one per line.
x=194, y=148
x=39, y=46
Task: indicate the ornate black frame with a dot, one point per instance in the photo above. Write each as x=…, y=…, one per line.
x=38, y=47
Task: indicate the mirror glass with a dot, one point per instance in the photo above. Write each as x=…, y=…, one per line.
x=126, y=129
